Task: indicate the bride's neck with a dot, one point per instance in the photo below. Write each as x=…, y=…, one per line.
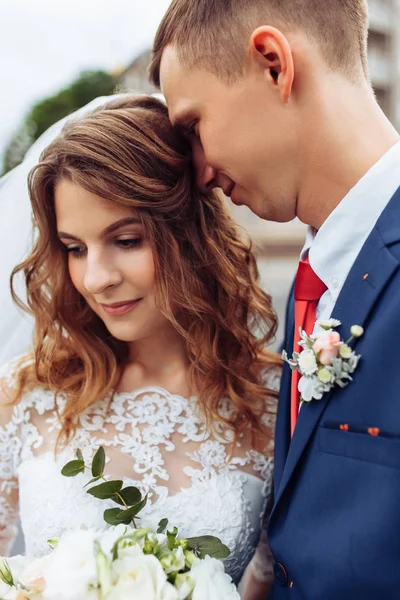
x=161, y=360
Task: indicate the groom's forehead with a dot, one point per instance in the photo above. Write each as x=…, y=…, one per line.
x=183, y=88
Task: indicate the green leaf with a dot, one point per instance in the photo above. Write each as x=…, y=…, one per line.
x=105, y=490
x=72, y=468
x=163, y=524
x=171, y=536
x=131, y=512
x=139, y=506
x=208, y=545
x=131, y=496
x=79, y=455
x=91, y=481
x=99, y=461
x=110, y=515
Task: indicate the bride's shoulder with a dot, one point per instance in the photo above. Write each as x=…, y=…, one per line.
x=271, y=377
x=11, y=382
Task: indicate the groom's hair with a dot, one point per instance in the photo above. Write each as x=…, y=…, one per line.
x=214, y=34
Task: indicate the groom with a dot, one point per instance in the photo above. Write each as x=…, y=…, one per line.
x=275, y=98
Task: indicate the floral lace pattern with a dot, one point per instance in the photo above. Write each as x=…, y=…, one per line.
x=154, y=440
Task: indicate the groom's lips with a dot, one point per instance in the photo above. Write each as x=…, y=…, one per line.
x=228, y=190
x=233, y=195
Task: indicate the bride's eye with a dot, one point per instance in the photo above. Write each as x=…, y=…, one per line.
x=128, y=243
x=75, y=251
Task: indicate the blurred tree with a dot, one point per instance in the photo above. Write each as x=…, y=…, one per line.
x=89, y=85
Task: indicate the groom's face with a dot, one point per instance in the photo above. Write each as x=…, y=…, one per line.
x=241, y=136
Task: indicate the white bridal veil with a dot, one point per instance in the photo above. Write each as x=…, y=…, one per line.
x=16, y=238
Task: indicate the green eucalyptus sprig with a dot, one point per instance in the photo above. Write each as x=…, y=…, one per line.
x=130, y=498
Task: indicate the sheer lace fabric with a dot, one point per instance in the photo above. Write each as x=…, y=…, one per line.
x=154, y=440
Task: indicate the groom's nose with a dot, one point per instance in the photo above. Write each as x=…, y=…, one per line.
x=206, y=175
x=207, y=178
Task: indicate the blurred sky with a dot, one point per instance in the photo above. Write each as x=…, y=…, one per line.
x=44, y=44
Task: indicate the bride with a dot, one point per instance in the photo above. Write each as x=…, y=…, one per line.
x=150, y=336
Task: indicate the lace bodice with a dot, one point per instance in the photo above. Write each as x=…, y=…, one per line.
x=154, y=440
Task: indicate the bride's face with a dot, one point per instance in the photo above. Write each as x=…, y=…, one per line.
x=110, y=261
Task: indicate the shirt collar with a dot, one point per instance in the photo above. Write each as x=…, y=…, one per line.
x=333, y=249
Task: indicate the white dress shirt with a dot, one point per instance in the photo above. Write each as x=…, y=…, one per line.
x=333, y=249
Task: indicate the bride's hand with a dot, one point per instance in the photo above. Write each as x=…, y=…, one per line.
x=252, y=588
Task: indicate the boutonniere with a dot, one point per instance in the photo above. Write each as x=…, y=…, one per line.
x=325, y=360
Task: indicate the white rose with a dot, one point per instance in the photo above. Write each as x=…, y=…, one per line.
x=309, y=389
x=307, y=362
x=13, y=594
x=32, y=577
x=211, y=581
x=174, y=561
x=139, y=577
x=184, y=585
x=109, y=537
x=11, y=569
x=72, y=569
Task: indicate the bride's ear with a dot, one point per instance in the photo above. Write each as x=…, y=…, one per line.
x=272, y=53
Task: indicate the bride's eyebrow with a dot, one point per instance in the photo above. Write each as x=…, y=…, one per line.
x=110, y=229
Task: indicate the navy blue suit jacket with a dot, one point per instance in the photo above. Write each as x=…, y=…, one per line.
x=335, y=525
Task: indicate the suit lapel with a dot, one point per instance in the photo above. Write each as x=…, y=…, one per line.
x=367, y=279
x=282, y=431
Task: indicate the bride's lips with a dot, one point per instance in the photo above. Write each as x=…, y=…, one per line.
x=120, y=308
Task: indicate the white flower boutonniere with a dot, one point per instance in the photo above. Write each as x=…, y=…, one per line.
x=325, y=360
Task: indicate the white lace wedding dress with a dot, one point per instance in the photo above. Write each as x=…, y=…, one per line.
x=154, y=440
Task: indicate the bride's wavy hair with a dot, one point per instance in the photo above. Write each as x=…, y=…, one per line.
x=206, y=274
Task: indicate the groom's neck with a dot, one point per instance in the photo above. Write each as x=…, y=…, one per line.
x=349, y=134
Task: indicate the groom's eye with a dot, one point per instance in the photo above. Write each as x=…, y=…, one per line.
x=192, y=129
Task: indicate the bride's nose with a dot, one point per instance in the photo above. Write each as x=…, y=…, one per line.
x=100, y=274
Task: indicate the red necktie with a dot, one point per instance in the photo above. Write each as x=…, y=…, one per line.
x=308, y=290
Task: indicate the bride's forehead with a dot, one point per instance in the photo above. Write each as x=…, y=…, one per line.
x=77, y=207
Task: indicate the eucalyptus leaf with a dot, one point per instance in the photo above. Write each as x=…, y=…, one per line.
x=139, y=506
x=91, y=481
x=208, y=545
x=130, y=495
x=79, y=454
x=73, y=468
x=163, y=524
x=99, y=461
x=110, y=515
x=105, y=490
x=131, y=512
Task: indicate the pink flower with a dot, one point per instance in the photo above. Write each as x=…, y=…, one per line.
x=327, y=345
x=32, y=577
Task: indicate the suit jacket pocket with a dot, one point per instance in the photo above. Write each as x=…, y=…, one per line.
x=360, y=446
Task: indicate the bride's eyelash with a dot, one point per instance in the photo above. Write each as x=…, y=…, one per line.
x=128, y=243
x=75, y=251
x=125, y=244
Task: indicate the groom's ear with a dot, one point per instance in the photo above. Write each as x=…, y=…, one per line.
x=271, y=51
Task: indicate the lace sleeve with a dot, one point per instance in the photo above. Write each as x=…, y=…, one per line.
x=9, y=454
x=262, y=563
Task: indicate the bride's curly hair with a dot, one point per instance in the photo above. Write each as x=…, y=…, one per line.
x=206, y=274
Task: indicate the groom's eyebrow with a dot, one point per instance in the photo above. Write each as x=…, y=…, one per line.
x=182, y=118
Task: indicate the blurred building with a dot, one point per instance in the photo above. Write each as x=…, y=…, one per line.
x=384, y=48
x=135, y=77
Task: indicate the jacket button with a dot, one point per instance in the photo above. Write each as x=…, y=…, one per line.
x=280, y=574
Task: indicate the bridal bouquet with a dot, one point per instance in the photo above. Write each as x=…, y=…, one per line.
x=123, y=562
